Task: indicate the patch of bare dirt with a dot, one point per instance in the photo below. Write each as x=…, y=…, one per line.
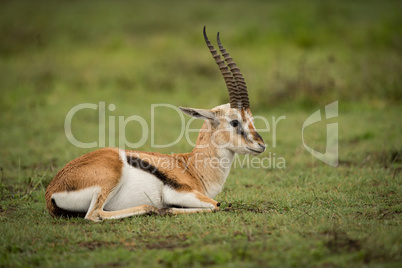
x=339, y=241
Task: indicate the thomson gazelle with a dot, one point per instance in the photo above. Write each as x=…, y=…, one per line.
x=112, y=183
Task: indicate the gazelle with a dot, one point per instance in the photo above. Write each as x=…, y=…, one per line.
x=112, y=183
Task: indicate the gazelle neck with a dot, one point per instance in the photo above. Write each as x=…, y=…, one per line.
x=209, y=163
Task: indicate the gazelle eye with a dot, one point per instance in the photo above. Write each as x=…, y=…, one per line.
x=234, y=123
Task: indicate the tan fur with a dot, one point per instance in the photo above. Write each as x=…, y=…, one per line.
x=101, y=167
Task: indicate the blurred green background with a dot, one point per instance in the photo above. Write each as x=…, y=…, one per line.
x=296, y=57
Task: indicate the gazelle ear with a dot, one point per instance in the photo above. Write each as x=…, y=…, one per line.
x=199, y=113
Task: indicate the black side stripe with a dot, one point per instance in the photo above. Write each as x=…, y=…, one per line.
x=147, y=167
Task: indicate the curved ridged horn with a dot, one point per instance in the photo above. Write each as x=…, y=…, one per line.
x=241, y=84
x=235, y=98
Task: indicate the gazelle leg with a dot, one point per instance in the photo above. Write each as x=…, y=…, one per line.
x=177, y=211
x=96, y=212
x=128, y=212
x=100, y=214
x=188, y=202
x=193, y=200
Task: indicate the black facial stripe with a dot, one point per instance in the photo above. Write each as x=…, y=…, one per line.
x=258, y=136
x=239, y=128
x=240, y=131
x=147, y=167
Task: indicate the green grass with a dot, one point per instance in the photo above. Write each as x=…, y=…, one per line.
x=296, y=57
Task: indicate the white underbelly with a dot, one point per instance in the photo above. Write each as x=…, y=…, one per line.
x=136, y=188
x=76, y=201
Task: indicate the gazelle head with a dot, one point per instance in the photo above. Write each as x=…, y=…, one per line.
x=230, y=125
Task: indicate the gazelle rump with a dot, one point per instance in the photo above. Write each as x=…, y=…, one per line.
x=112, y=183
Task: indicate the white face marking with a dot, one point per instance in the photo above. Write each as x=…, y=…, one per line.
x=241, y=139
x=76, y=201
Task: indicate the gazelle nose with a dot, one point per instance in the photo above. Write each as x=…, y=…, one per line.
x=262, y=146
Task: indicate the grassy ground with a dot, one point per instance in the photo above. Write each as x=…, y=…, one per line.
x=296, y=57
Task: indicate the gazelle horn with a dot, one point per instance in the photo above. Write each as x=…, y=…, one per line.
x=238, y=77
x=235, y=94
